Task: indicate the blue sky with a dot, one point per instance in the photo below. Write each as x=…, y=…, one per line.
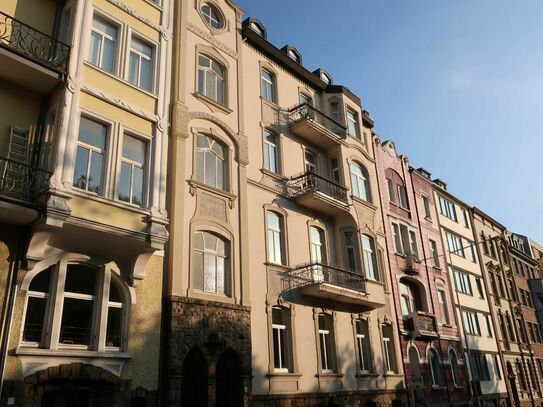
x=457, y=84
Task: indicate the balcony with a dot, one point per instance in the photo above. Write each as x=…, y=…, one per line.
x=422, y=325
x=30, y=58
x=410, y=266
x=315, y=127
x=318, y=193
x=329, y=283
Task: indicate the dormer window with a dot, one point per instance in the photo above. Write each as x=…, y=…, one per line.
x=211, y=16
x=292, y=53
x=326, y=79
x=256, y=26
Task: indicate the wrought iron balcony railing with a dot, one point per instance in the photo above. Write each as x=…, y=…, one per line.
x=21, y=181
x=316, y=273
x=33, y=44
x=306, y=111
x=311, y=182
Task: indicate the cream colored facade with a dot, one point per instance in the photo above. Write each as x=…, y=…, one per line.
x=472, y=304
x=270, y=224
x=95, y=121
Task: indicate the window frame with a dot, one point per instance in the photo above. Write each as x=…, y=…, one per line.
x=153, y=59
x=444, y=306
x=360, y=180
x=227, y=271
x=389, y=351
x=327, y=364
x=268, y=148
x=353, y=118
x=282, y=237
x=286, y=329
x=436, y=371
x=116, y=53
x=426, y=206
x=220, y=83
x=146, y=170
x=447, y=208
x=462, y=282
x=220, y=18
x=106, y=275
x=268, y=92
x=434, y=253
x=226, y=161
x=363, y=348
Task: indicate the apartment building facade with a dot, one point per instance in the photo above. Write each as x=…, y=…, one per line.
x=431, y=349
x=84, y=90
x=478, y=329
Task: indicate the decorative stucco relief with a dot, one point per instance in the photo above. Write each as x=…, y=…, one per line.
x=209, y=38
x=213, y=207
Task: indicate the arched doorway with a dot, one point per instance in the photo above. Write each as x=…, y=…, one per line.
x=194, y=386
x=417, y=383
x=229, y=380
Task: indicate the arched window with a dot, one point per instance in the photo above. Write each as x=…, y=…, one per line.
x=80, y=293
x=267, y=79
x=360, y=183
x=210, y=263
x=409, y=297
x=453, y=361
x=370, y=262
x=210, y=161
x=211, y=16
x=435, y=367
x=211, y=79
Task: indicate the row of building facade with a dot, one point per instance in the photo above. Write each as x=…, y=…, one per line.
x=189, y=216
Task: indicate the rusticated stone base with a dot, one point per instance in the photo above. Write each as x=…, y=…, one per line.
x=207, y=332
x=359, y=398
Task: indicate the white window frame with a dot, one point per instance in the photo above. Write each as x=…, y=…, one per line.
x=283, y=330
x=447, y=208
x=403, y=201
x=267, y=85
x=363, y=343
x=471, y=322
x=219, y=81
x=326, y=343
x=218, y=161
x=352, y=119
x=104, y=37
x=462, y=282
x=444, y=307
x=369, y=256
x=216, y=255
x=434, y=253
x=151, y=44
x=360, y=182
x=275, y=238
x=389, y=351
x=208, y=17
x=455, y=244
x=134, y=164
x=310, y=166
x=271, y=152
x=426, y=205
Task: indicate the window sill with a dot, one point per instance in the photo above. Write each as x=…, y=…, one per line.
x=154, y=4
x=363, y=202
x=366, y=375
x=278, y=266
x=392, y=374
x=329, y=375
x=119, y=204
x=275, y=175
x=120, y=79
x=438, y=387
x=428, y=219
x=225, y=194
x=202, y=295
x=284, y=375
x=212, y=104
x=270, y=103
x=22, y=351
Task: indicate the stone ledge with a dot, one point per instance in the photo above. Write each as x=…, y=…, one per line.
x=206, y=303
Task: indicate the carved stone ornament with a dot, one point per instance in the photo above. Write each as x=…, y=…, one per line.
x=213, y=207
x=212, y=40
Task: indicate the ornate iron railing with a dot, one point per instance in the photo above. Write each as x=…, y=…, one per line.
x=312, y=273
x=33, y=44
x=311, y=182
x=21, y=181
x=306, y=111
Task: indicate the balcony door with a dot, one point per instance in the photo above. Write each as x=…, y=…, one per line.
x=318, y=252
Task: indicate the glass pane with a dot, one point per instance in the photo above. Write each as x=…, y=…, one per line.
x=198, y=241
x=210, y=169
x=204, y=61
x=221, y=278
x=202, y=141
x=198, y=271
x=210, y=241
x=94, y=48
x=40, y=282
x=211, y=85
x=93, y=133
x=81, y=164
x=218, y=149
x=221, y=247
x=35, y=313
x=80, y=279
x=76, y=326
x=210, y=265
x=137, y=186
x=133, y=68
x=145, y=74
x=283, y=347
x=95, y=174
x=108, y=56
x=201, y=81
x=200, y=162
x=114, y=324
x=114, y=292
x=134, y=149
x=273, y=220
x=277, y=316
x=220, y=91
x=124, y=182
x=276, y=354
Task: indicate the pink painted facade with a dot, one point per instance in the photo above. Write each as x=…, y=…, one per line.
x=429, y=331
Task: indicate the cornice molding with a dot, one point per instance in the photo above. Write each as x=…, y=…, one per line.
x=120, y=103
x=165, y=33
x=209, y=38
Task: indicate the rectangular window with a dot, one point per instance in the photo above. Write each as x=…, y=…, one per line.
x=447, y=209
x=390, y=354
x=334, y=169
x=334, y=111
x=281, y=339
x=413, y=244
x=489, y=326
x=465, y=217
x=426, y=202
x=434, y=254
x=90, y=155
x=103, y=44
x=140, y=69
x=462, y=282
x=391, y=194
x=443, y=307
x=471, y=252
x=471, y=322
x=352, y=124
x=310, y=160
x=275, y=237
x=497, y=369
x=267, y=81
x=480, y=290
x=326, y=347
x=397, y=238
x=454, y=244
x=270, y=152
x=479, y=366
x=133, y=167
x=402, y=197
x=363, y=346
x=350, y=249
